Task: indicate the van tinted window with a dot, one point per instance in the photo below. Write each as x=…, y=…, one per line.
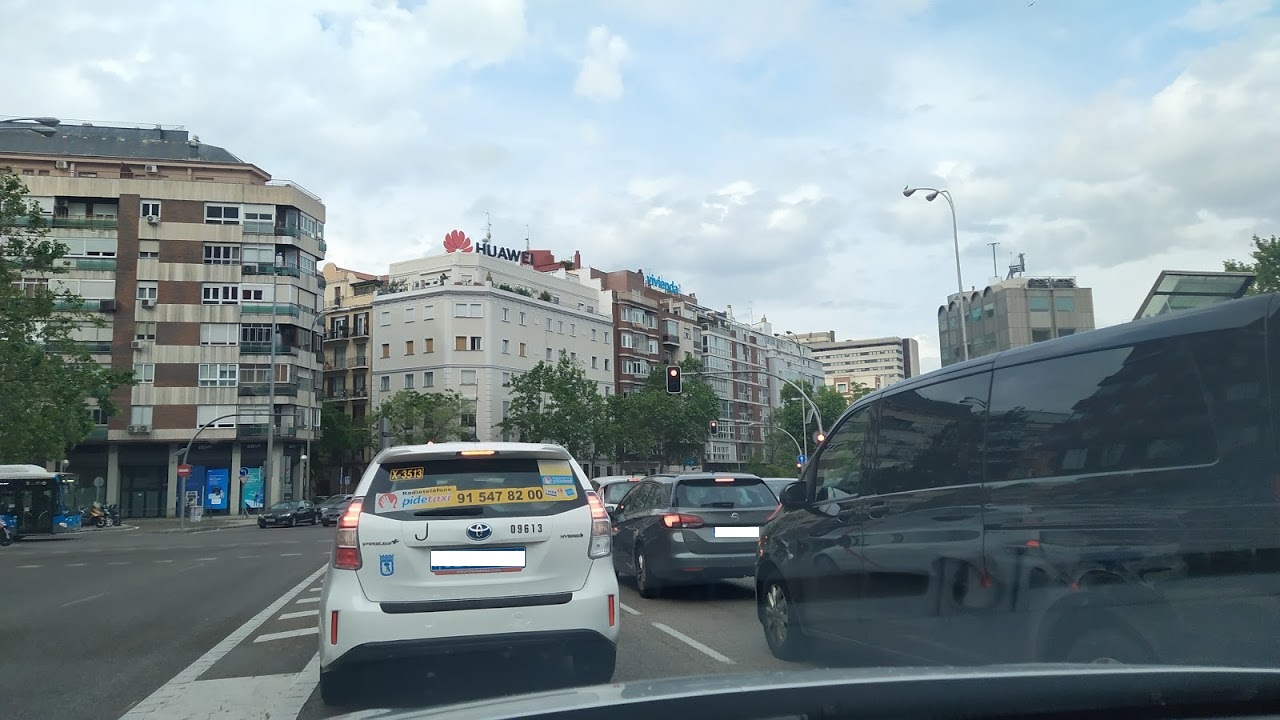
x=1106, y=411
x=838, y=471
x=474, y=487
x=931, y=436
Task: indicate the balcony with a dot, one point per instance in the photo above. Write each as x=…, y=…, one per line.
x=268, y=308
x=259, y=227
x=93, y=347
x=343, y=394
x=264, y=389
x=269, y=269
x=337, y=334
x=81, y=263
x=248, y=431
x=360, y=361
x=99, y=432
x=321, y=282
x=84, y=223
x=670, y=339
x=324, y=246
x=81, y=304
x=264, y=348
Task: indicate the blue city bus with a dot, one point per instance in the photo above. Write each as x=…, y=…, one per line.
x=35, y=501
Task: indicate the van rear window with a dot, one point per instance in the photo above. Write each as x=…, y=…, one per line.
x=473, y=487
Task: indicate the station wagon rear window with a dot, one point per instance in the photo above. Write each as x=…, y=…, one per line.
x=724, y=493
x=487, y=486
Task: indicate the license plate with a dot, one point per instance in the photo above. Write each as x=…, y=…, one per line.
x=737, y=532
x=488, y=560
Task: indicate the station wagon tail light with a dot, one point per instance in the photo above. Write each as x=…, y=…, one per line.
x=346, y=542
x=724, y=480
x=677, y=521
x=775, y=513
x=601, y=528
x=477, y=453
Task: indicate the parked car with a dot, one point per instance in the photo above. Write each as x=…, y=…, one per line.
x=612, y=488
x=332, y=509
x=289, y=513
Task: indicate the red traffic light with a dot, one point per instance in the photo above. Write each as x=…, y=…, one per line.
x=819, y=437
x=673, y=379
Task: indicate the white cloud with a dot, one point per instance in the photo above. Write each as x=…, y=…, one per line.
x=600, y=75
x=1210, y=15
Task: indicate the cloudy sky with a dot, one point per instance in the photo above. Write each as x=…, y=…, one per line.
x=753, y=151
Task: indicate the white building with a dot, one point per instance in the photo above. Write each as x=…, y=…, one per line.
x=874, y=363
x=468, y=322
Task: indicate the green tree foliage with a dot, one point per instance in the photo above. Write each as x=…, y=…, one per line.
x=558, y=404
x=48, y=377
x=653, y=424
x=414, y=418
x=1266, y=265
x=343, y=437
x=790, y=416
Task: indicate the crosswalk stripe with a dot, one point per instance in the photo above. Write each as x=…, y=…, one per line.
x=268, y=637
x=304, y=613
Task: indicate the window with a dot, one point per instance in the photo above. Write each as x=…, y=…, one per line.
x=606, y=360
x=468, y=377
x=384, y=383
x=408, y=347
x=150, y=207
x=144, y=373
x=408, y=381
x=384, y=318
x=635, y=367
x=1108, y=411
x=144, y=330
x=594, y=362
x=628, y=340
x=839, y=469
x=255, y=374
x=255, y=333
x=474, y=343
x=842, y=387
x=506, y=379
x=463, y=310
x=548, y=354
x=1064, y=303
x=429, y=312
x=506, y=314
x=573, y=329
x=1063, y=332
x=523, y=319
x=429, y=345
x=428, y=379
x=506, y=347
x=560, y=327
x=1040, y=334
x=215, y=294
x=219, y=333
x=219, y=374
x=593, y=334
x=148, y=290
x=255, y=293
x=386, y=350
x=1038, y=303
x=408, y=314
x=460, y=342
x=221, y=214
x=931, y=436
x=523, y=350
x=140, y=415
x=221, y=254
x=216, y=416
x=145, y=254
x=653, y=346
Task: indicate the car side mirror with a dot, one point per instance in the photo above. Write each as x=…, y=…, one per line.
x=793, y=496
x=615, y=511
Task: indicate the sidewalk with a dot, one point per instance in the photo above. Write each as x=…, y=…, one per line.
x=173, y=525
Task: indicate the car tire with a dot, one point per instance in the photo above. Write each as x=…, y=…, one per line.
x=324, y=523
x=596, y=666
x=262, y=525
x=291, y=523
x=1108, y=645
x=337, y=687
x=781, y=622
x=645, y=584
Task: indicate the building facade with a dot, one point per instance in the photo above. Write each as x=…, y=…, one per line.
x=348, y=364
x=653, y=325
x=872, y=363
x=470, y=322
x=204, y=269
x=1013, y=313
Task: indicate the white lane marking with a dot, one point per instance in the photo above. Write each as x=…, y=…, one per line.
x=119, y=562
x=205, y=559
x=24, y=567
x=307, y=600
x=164, y=561
x=268, y=637
x=628, y=609
x=304, y=613
x=76, y=564
x=290, y=554
x=691, y=643
x=314, y=589
x=246, y=557
x=77, y=602
x=192, y=567
x=174, y=699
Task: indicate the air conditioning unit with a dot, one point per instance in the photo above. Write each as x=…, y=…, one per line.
x=153, y=219
x=139, y=428
x=153, y=169
x=61, y=164
x=147, y=303
x=136, y=344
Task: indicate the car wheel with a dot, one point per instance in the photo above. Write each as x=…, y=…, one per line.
x=645, y=584
x=782, y=629
x=324, y=523
x=1107, y=646
x=291, y=522
x=596, y=666
x=337, y=687
x=262, y=525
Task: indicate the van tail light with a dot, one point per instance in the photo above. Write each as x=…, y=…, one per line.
x=601, y=528
x=677, y=521
x=346, y=542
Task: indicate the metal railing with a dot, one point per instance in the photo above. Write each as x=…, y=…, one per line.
x=263, y=389
x=264, y=348
x=266, y=309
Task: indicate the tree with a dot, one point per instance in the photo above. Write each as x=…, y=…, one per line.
x=792, y=414
x=1265, y=265
x=652, y=424
x=415, y=418
x=48, y=376
x=558, y=404
x=343, y=436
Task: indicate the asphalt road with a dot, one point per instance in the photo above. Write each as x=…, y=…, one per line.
x=130, y=624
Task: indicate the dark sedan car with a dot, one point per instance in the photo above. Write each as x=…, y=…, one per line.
x=290, y=513
x=333, y=509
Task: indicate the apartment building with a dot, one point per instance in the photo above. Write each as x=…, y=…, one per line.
x=348, y=364
x=1013, y=313
x=470, y=321
x=653, y=325
x=873, y=363
x=204, y=269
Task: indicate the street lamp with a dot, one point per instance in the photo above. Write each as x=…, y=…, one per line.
x=46, y=126
x=955, y=237
x=305, y=484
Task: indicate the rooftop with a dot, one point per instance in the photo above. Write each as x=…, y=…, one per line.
x=108, y=141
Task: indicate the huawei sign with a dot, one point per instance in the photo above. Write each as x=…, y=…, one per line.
x=457, y=241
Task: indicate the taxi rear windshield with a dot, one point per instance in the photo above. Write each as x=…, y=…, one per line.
x=724, y=493
x=473, y=487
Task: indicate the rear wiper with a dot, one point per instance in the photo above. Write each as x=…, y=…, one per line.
x=722, y=504
x=455, y=511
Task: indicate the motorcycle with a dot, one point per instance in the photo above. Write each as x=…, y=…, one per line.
x=6, y=535
x=94, y=516
x=113, y=515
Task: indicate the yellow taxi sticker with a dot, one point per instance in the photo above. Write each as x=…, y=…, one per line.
x=450, y=496
x=554, y=468
x=408, y=473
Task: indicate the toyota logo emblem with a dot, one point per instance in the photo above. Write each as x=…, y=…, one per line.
x=479, y=531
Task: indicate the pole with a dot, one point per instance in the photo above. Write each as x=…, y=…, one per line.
x=269, y=474
x=995, y=269
x=955, y=238
x=186, y=453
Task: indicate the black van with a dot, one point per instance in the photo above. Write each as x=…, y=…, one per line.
x=1108, y=496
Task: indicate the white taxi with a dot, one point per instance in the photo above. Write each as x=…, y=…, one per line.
x=469, y=547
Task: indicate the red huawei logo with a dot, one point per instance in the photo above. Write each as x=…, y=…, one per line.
x=457, y=241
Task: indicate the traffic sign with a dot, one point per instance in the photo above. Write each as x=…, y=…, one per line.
x=800, y=458
x=244, y=472
x=184, y=470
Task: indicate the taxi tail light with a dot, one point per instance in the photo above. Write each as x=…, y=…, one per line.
x=601, y=528
x=346, y=542
x=681, y=520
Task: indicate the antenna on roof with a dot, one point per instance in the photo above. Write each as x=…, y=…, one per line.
x=1019, y=267
x=488, y=227
x=526, y=237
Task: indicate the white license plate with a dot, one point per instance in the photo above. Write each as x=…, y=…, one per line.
x=455, y=562
x=737, y=532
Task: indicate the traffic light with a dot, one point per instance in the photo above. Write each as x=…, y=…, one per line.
x=819, y=437
x=673, y=379
x=714, y=425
